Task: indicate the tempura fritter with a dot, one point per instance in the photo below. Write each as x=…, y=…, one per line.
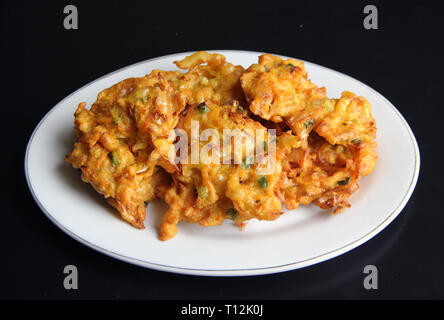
x=209, y=192
x=108, y=154
x=129, y=127
x=330, y=145
x=129, y=145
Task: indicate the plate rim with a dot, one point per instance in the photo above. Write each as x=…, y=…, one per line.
x=230, y=272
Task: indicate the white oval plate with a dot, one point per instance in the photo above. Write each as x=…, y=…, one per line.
x=297, y=239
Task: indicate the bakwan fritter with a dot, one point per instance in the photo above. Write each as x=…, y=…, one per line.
x=322, y=146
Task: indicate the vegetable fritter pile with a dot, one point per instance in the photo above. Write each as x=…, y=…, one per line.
x=127, y=143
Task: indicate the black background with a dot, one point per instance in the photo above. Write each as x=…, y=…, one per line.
x=43, y=63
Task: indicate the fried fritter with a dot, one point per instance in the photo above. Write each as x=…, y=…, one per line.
x=210, y=77
x=106, y=152
x=322, y=173
x=126, y=134
x=128, y=143
x=351, y=122
x=276, y=88
x=330, y=145
x=208, y=192
x=279, y=90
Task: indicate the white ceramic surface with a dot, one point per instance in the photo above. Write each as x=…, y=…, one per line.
x=297, y=239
